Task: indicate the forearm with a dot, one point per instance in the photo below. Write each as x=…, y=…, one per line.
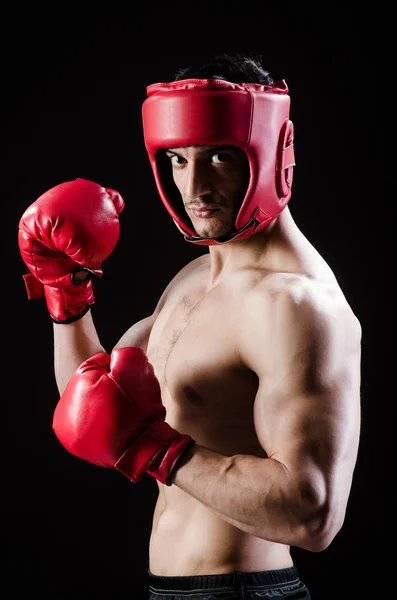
x=73, y=344
x=251, y=493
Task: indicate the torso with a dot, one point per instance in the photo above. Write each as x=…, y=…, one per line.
x=209, y=394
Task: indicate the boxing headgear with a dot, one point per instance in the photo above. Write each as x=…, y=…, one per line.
x=214, y=112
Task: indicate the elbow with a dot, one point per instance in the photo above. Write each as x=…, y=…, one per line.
x=319, y=532
x=321, y=520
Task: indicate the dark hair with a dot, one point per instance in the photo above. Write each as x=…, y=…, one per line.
x=236, y=68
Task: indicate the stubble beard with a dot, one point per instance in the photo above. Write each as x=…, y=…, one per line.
x=206, y=231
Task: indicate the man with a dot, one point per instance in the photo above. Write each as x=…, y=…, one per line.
x=240, y=394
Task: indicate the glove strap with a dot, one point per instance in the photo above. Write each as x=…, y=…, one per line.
x=34, y=287
x=158, y=447
x=69, y=301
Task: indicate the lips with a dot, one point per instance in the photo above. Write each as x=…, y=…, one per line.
x=203, y=212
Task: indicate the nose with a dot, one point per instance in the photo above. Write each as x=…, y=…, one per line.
x=197, y=181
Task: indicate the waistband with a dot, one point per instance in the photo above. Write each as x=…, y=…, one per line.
x=234, y=580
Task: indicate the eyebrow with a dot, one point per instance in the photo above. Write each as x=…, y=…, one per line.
x=206, y=150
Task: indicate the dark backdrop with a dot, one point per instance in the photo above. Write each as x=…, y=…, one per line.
x=71, y=108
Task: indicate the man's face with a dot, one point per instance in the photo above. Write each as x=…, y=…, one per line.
x=212, y=181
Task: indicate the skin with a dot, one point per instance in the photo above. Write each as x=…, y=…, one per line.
x=210, y=178
x=257, y=353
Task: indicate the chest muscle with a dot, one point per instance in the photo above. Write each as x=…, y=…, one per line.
x=206, y=390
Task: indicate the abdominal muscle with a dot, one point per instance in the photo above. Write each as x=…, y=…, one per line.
x=189, y=539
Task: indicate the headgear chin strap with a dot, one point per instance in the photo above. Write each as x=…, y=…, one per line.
x=213, y=112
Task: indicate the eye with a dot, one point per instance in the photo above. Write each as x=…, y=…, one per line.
x=221, y=158
x=176, y=160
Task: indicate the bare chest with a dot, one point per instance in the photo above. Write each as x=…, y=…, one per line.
x=206, y=390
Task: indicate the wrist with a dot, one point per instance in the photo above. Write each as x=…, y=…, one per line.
x=166, y=462
x=180, y=461
x=67, y=305
x=156, y=451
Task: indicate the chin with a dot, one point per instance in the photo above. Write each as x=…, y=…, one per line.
x=212, y=232
x=211, y=235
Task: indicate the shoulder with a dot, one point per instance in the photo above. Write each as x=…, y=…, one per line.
x=197, y=265
x=295, y=314
x=138, y=334
x=191, y=270
x=295, y=294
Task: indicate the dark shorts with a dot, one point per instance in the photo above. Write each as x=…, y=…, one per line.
x=281, y=583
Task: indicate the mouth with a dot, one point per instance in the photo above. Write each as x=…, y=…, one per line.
x=204, y=212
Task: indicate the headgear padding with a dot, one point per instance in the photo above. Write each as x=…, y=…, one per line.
x=213, y=112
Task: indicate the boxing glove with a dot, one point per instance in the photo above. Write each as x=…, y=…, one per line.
x=111, y=415
x=72, y=227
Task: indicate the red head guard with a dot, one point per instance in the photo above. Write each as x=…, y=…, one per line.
x=213, y=112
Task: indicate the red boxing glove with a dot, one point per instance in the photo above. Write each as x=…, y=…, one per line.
x=111, y=415
x=73, y=226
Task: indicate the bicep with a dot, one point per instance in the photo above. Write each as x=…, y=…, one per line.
x=137, y=335
x=313, y=430
x=307, y=408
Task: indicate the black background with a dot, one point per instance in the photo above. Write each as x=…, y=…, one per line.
x=71, y=108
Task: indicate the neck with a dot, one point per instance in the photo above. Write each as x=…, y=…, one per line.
x=236, y=255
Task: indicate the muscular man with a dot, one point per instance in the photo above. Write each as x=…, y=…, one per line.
x=240, y=394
